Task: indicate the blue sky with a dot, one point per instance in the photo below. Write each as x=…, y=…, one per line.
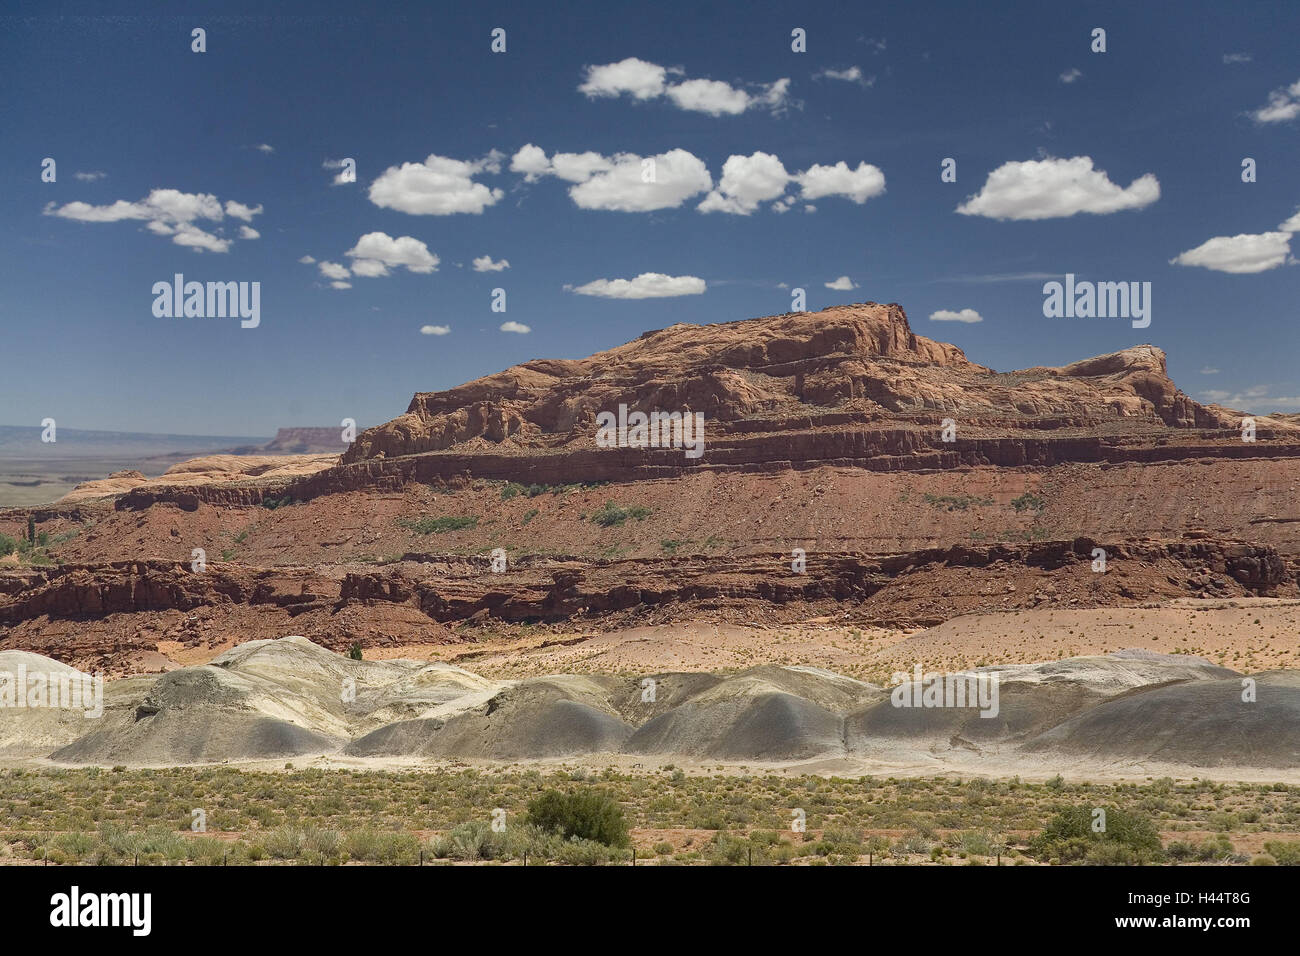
x=1148, y=137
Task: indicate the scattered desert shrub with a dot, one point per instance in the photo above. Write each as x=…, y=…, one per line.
x=440, y=525
x=612, y=515
x=1287, y=853
x=1027, y=502
x=1129, y=838
x=586, y=814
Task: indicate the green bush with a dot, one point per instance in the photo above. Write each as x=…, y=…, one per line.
x=1069, y=837
x=440, y=525
x=1028, y=501
x=585, y=814
x=1286, y=853
x=611, y=515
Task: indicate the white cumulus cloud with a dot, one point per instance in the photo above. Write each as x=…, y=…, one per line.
x=842, y=284
x=644, y=81
x=517, y=327
x=434, y=329
x=333, y=270
x=485, y=264
x=1283, y=105
x=629, y=184
x=746, y=182
x=858, y=184
x=166, y=212
x=637, y=78
x=439, y=186
x=1056, y=188
x=648, y=285
x=239, y=211
x=947, y=315
x=375, y=252
x=1241, y=254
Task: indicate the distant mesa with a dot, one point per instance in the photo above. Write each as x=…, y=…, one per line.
x=292, y=453
x=298, y=441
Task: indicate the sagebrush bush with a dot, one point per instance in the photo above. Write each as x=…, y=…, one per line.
x=586, y=814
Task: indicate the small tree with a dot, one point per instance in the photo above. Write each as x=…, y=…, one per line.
x=354, y=651
x=31, y=529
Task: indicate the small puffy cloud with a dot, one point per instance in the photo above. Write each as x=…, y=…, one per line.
x=1241, y=254
x=709, y=96
x=239, y=211
x=369, y=268
x=333, y=270
x=1283, y=105
x=437, y=187
x=842, y=284
x=579, y=167
x=341, y=285
x=858, y=184
x=1292, y=224
x=248, y=232
x=1070, y=75
x=264, y=148
x=376, y=251
x=166, y=212
x=517, y=327
x=307, y=260
x=434, y=329
x=531, y=161
x=1230, y=58
x=852, y=74
x=89, y=177
x=176, y=206
x=637, y=78
x=1056, y=188
x=947, y=315
x=746, y=182
x=644, y=81
x=116, y=212
x=648, y=285
x=623, y=186
x=485, y=264
x=192, y=236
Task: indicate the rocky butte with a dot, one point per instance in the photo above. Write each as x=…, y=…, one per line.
x=825, y=434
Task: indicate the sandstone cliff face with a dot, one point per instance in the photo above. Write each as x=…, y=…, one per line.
x=816, y=372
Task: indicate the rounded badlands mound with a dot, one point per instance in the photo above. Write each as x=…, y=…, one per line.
x=290, y=698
